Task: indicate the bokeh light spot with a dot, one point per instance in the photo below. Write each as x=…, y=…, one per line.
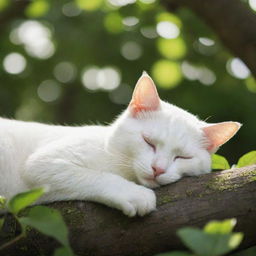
x=4, y=4
x=37, y=8
x=120, y=3
x=165, y=16
x=130, y=21
x=121, y=95
x=206, y=41
x=64, y=72
x=172, y=48
x=113, y=22
x=71, y=9
x=167, y=29
x=167, y=74
x=237, y=68
x=14, y=63
x=131, y=50
x=107, y=78
x=49, y=91
x=251, y=84
x=202, y=74
x=252, y=4
x=89, y=5
x=36, y=38
x=149, y=32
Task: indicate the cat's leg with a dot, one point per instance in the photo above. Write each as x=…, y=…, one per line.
x=68, y=179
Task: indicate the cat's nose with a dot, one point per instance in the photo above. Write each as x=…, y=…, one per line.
x=157, y=171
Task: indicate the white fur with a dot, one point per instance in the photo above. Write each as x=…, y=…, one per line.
x=103, y=163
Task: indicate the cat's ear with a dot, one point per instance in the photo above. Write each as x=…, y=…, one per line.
x=145, y=96
x=220, y=133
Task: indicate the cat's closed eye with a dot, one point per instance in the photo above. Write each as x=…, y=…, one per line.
x=182, y=157
x=150, y=143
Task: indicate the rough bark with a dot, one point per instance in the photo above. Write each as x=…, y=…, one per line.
x=231, y=20
x=193, y=201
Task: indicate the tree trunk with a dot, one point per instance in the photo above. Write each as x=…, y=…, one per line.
x=231, y=20
x=193, y=201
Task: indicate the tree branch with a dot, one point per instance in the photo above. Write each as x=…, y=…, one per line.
x=231, y=20
x=193, y=201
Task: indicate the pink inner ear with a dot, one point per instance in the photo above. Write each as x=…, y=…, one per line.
x=220, y=133
x=145, y=96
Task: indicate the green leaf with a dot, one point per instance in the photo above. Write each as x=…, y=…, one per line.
x=37, y=8
x=205, y=244
x=175, y=253
x=247, y=159
x=63, y=251
x=48, y=221
x=1, y=223
x=220, y=227
x=22, y=200
x=2, y=202
x=219, y=162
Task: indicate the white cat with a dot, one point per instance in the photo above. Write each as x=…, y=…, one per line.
x=151, y=143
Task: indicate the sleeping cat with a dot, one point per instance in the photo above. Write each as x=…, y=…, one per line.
x=152, y=143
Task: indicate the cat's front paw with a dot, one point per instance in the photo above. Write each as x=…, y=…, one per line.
x=138, y=201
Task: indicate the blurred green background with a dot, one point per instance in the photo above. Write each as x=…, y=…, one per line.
x=76, y=62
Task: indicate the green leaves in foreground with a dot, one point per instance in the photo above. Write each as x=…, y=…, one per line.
x=22, y=200
x=49, y=222
x=247, y=159
x=219, y=162
x=216, y=239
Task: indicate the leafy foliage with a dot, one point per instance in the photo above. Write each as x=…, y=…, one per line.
x=46, y=220
x=22, y=200
x=219, y=162
x=215, y=239
x=247, y=159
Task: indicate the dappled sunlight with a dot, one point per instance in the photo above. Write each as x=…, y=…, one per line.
x=71, y=9
x=252, y=4
x=35, y=37
x=130, y=21
x=121, y=95
x=202, y=74
x=149, y=32
x=107, y=78
x=167, y=29
x=119, y=3
x=237, y=68
x=49, y=91
x=65, y=72
x=131, y=50
x=172, y=48
x=167, y=74
x=14, y=63
x=206, y=41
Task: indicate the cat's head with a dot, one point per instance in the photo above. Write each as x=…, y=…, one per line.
x=161, y=142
